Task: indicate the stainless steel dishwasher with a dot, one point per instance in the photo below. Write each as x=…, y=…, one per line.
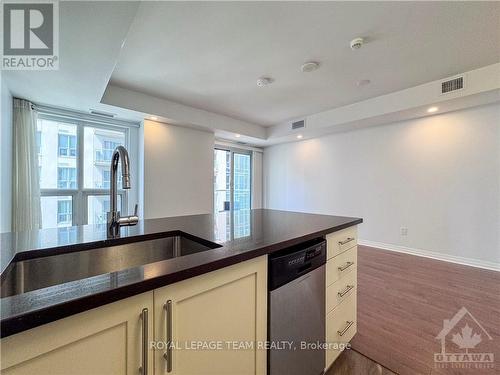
x=297, y=310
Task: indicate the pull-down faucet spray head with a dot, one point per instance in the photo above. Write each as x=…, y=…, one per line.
x=125, y=181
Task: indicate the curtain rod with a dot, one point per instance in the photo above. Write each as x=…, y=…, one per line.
x=82, y=116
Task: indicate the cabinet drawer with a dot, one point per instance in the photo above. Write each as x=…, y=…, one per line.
x=341, y=265
x=341, y=241
x=341, y=290
x=340, y=327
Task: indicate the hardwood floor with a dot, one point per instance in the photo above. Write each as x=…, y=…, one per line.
x=350, y=362
x=403, y=300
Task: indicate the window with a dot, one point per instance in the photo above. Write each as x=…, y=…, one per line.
x=222, y=180
x=74, y=159
x=67, y=145
x=64, y=212
x=106, y=179
x=98, y=206
x=106, y=152
x=66, y=178
x=241, y=194
x=232, y=192
x=38, y=142
x=232, y=179
x=101, y=144
x=51, y=146
x=57, y=211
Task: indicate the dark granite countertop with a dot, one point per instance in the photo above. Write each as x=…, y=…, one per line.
x=258, y=232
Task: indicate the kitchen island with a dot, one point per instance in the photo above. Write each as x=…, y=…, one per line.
x=227, y=278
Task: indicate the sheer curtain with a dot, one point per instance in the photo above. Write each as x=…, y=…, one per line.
x=26, y=211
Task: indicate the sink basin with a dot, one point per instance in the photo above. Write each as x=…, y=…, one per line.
x=37, y=273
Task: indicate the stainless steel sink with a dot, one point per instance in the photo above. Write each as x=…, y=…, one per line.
x=37, y=273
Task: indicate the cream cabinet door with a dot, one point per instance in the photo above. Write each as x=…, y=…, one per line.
x=215, y=322
x=103, y=341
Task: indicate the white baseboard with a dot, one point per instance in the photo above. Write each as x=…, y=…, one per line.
x=434, y=255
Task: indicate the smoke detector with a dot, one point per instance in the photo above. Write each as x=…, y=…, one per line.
x=357, y=43
x=309, y=66
x=264, y=81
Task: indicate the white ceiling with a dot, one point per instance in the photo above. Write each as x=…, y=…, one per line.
x=90, y=38
x=208, y=55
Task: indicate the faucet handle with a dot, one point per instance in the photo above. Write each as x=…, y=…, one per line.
x=128, y=220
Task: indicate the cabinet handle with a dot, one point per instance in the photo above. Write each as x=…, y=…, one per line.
x=349, y=239
x=348, y=288
x=168, y=334
x=349, y=324
x=144, y=316
x=346, y=266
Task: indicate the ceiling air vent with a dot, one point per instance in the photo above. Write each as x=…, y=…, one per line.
x=298, y=124
x=452, y=85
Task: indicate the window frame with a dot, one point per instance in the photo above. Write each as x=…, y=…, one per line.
x=80, y=195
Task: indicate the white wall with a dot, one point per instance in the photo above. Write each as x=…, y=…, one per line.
x=438, y=176
x=178, y=170
x=5, y=158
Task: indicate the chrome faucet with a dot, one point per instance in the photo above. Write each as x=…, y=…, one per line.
x=115, y=221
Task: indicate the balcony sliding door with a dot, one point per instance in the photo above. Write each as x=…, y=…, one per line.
x=232, y=192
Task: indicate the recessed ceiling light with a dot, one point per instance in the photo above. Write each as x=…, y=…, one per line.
x=154, y=118
x=432, y=109
x=264, y=81
x=309, y=66
x=363, y=82
x=299, y=136
x=237, y=135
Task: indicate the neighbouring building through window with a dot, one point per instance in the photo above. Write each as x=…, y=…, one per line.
x=74, y=160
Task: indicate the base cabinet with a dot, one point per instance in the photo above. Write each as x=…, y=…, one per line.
x=227, y=307
x=340, y=327
x=212, y=323
x=341, y=288
x=103, y=341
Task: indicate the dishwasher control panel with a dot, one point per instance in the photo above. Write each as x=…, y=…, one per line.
x=296, y=261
